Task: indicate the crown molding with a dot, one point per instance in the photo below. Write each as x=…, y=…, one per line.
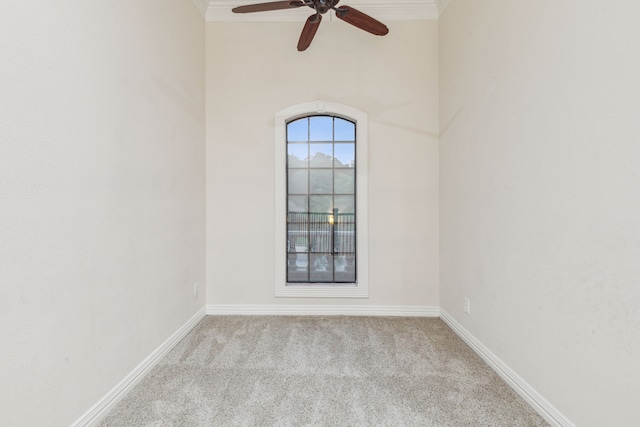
x=383, y=10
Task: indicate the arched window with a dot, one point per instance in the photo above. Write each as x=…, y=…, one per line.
x=321, y=200
x=321, y=213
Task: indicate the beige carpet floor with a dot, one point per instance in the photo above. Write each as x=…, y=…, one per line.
x=322, y=371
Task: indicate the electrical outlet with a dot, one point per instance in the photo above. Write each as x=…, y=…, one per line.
x=467, y=306
x=195, y=290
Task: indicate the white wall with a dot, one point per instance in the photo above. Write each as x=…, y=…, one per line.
x=101, y=195
x=540, y=185
x=254, y=71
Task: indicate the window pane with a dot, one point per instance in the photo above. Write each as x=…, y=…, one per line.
x=298, y=180
x=298, y=245
x=344, y=130
x=321, y=128
x=345, y=204
x=345, y=155
x=298, y=232
x=321, y=268
x=320, y=233
x=345, y=182
x=297, y=265
x=345, y=269
x=319, y=204
x=344, y=234
x=321, y=181
x=298, y=130
x=298, y=155
x=298, y=242
x=298, y=203
x=321, y=155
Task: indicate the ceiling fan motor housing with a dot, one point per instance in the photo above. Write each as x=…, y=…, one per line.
x=323, y=6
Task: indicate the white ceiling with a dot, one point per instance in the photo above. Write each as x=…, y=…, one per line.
x=384, y=10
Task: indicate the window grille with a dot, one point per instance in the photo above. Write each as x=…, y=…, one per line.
x=321, y=200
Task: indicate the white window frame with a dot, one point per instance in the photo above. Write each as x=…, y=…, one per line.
x=323, y=290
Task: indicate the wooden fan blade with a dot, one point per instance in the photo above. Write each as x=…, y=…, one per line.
x=361, y=20
x=309, y=31
x=263, y=7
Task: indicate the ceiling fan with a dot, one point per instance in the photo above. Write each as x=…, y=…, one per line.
x=346, y=13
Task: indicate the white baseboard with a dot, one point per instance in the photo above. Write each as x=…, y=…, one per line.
x=533, y=398
x=98, y=411
x=322, y=310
